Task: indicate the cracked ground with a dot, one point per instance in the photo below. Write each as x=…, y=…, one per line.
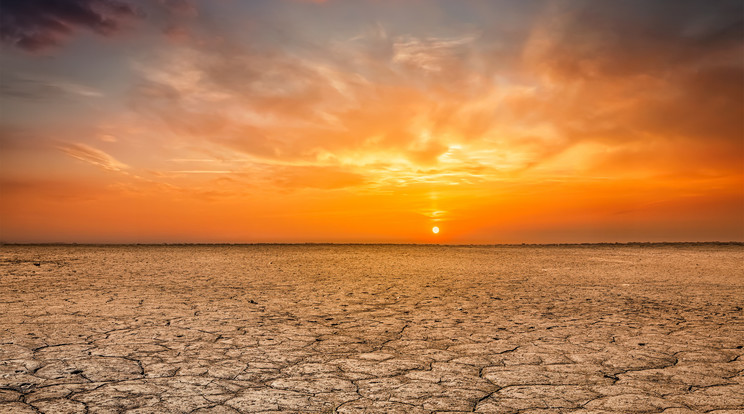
x=372, y=329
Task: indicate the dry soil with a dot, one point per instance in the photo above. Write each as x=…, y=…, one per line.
x=372, y=329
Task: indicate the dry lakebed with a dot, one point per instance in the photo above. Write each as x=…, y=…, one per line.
x=372, y=329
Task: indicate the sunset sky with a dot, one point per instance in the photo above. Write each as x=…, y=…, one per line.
x=371, y=121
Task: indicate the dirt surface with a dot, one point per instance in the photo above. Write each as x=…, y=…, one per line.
x=371, y=329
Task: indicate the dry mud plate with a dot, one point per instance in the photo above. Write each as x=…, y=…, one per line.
x=371, y=329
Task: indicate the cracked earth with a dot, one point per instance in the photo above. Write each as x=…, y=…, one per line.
x=372, y=329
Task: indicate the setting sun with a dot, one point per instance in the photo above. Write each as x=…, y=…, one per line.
x=435, y=230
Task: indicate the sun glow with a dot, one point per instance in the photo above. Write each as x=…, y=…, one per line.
x=435, y=230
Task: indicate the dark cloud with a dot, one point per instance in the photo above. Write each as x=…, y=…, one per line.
x=589, y=39
x=34, y=25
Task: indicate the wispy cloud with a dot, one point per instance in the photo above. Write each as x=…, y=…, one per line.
x=39, y=87
x=430, y=54
x=92, y=156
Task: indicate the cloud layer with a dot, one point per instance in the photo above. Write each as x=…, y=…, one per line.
x=613, y=85
x=615, y=116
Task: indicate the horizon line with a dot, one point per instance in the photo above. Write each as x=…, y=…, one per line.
x=633, y=243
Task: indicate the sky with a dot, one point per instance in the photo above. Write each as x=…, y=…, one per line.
x=125, y=121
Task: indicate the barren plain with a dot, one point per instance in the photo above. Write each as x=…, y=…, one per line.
x=372, y=329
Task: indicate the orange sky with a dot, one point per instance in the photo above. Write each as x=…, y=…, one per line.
x=372, y=121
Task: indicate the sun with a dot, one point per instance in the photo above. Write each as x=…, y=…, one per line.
x=435, y=229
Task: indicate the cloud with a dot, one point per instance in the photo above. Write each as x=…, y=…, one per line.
x=278, y=106
x=580, y=91
x=588, y=40
x=34, y=25
x=31, y=87
x=628, y=75
x=93, y=156
x=430, y=54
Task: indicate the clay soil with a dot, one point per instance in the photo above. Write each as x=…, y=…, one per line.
x=372, y=329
